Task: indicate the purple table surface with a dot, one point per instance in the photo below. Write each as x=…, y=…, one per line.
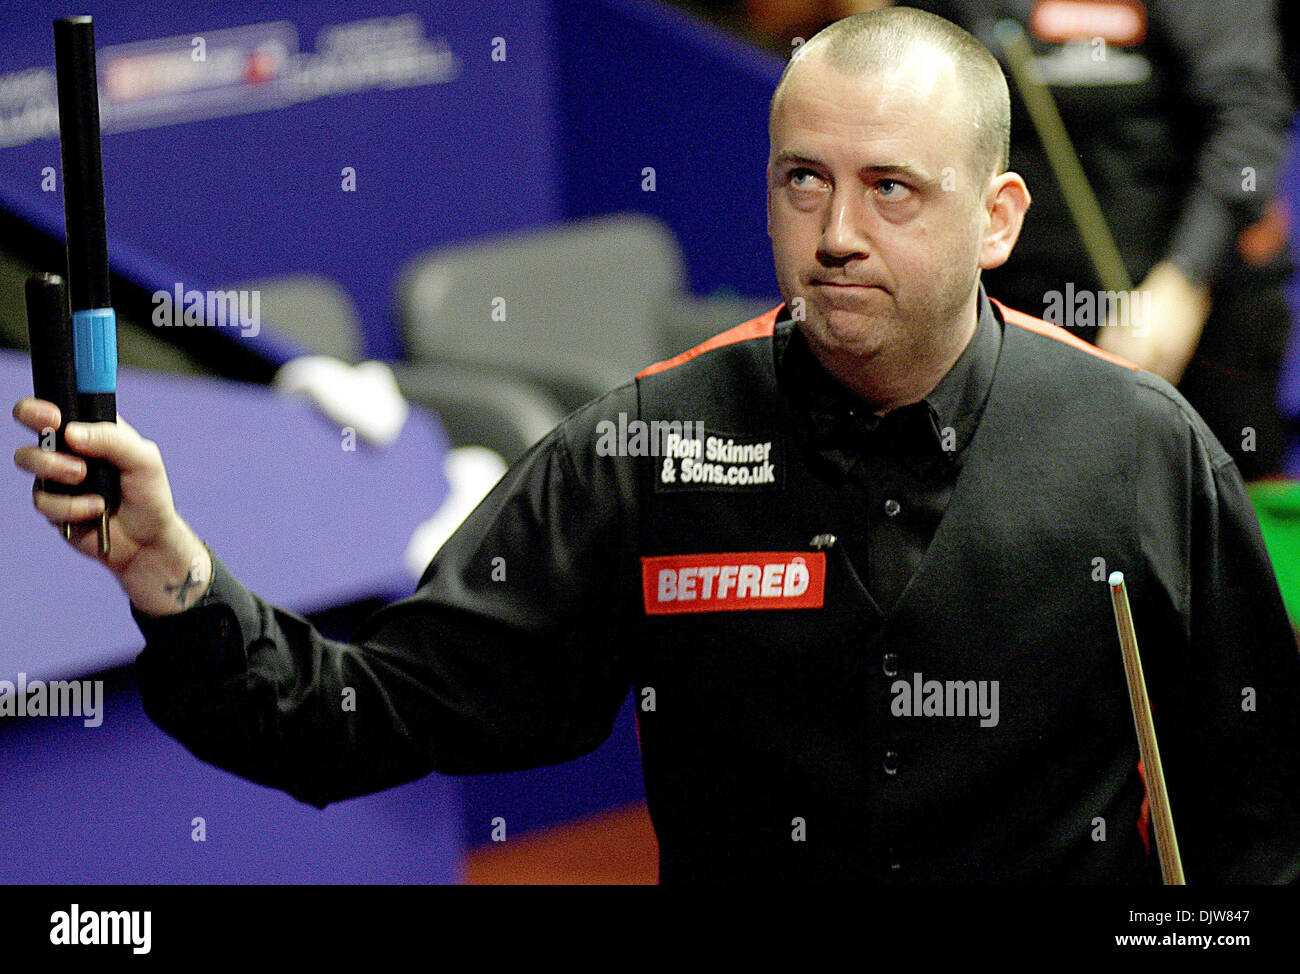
x=119, y=803
x=262, y=477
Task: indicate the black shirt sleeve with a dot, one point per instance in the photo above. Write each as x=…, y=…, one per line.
x=1231, y=54
x=506, y=657
x=1223, y=670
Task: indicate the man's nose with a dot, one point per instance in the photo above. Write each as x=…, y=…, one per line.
x=842, y=235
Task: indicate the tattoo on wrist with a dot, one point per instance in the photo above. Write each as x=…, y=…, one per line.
x=192, y=580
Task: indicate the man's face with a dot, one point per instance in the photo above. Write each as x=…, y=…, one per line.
x=873, y=218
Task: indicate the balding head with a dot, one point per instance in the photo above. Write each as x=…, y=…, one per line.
x=881, y=40
x=883, y=204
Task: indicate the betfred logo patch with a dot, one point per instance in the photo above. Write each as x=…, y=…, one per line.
x=733, y=581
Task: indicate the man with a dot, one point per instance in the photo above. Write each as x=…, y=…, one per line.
x=884, y=485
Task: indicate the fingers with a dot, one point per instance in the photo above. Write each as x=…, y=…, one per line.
x=42, y=417
x=37, y=415
x=117, y=443
x=48, y=465
x=58, y=509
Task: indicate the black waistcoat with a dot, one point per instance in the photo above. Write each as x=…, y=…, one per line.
x=773, y=750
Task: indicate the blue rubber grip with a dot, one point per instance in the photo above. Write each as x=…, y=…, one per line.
x=94, y=349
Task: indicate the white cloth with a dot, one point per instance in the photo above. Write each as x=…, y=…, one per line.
x=472, y=471
x=364, y=397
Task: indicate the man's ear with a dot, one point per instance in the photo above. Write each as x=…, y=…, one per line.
x=1007, y=199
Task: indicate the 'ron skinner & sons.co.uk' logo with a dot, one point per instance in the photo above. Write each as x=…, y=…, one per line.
x=693, y=458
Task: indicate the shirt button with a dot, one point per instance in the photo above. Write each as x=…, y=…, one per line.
x=890, y=665
x=892, y=507
x=890, y=764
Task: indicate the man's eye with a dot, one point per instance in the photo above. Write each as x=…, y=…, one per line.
x=892, y=189
x=795, y=175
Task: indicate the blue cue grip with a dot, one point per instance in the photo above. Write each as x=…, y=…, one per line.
x=94, y=343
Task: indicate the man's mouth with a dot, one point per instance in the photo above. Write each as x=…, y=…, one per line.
x=848, y=287
x=844, y=282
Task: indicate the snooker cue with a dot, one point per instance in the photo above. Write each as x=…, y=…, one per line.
x=94, y=324
x=1171, y=863
x=1070, y=177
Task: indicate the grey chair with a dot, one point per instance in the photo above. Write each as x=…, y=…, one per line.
x=312, y=310
x=576, y=309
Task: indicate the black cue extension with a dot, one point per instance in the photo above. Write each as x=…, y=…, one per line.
x=54, y=376
x=94, y=325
